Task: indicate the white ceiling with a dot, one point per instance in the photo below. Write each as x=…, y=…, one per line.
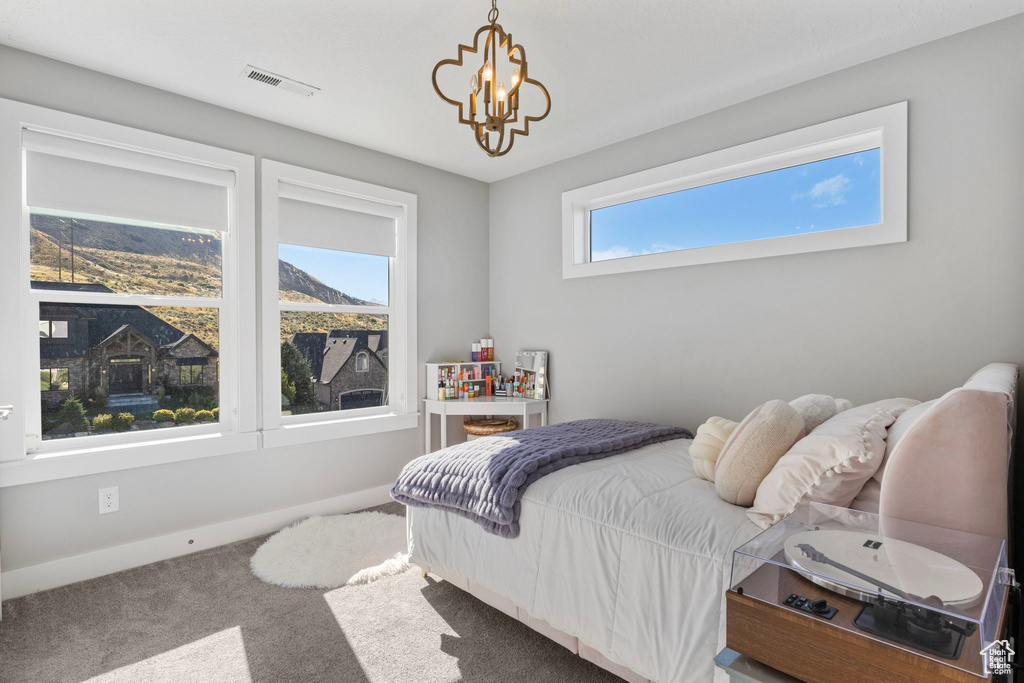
x=614, y=68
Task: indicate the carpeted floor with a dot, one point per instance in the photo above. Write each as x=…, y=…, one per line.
x=204, y=618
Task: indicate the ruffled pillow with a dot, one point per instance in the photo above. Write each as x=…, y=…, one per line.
x=707, y=444
x=830, y=465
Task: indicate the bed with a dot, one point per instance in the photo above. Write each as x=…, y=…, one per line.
x=626, y=560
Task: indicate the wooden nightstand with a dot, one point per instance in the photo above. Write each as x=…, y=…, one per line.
x=817, y=650
x=829, y=594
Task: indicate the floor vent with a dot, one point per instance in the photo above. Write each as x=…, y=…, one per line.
x=276, y=81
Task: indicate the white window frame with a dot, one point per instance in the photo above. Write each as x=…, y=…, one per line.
x=27, y=458
x=401, y=411
x=884, y=128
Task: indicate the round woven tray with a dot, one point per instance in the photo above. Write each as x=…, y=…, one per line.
x=482, y=427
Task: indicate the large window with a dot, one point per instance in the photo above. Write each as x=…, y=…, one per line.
x=128, y=358
x=135, y=290
x=829, y=186
x=136, y=263
x=341, y=306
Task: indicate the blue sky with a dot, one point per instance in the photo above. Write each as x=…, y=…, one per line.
x=842, y=192
x=363, y=276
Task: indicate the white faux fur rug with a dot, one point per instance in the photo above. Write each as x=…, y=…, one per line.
x=327, y=552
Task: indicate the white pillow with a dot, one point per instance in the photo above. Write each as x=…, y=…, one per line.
x=842, y=405
x=816, y=408
x=707, y=444
x=830, y=465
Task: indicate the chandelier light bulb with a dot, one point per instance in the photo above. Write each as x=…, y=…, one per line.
x=501, y=92
x=474, y=85
x=487, y=70
x=515, y=77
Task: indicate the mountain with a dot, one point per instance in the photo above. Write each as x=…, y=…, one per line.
x=298, y=285
x=200, y=247
x=131, y=260
x=140, y=260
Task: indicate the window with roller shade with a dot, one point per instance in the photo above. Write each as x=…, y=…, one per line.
x=133, y=287
x=339, y=320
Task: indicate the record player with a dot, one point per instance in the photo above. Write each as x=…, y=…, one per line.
x=834, y=594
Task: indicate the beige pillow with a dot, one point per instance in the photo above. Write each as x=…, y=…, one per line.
x=707, y=445
x=814, y=409
x=831, y=464
x=754, y=447
x=817, y=408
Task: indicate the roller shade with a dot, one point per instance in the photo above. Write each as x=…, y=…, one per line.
x=357, y=228
x=84, y=177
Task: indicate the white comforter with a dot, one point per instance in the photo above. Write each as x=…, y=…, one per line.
x=630, y=554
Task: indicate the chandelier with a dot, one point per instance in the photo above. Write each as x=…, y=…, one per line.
x=494, y=108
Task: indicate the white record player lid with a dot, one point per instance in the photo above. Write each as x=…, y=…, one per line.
x=915, y=570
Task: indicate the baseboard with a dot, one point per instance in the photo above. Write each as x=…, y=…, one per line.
x=39, y=577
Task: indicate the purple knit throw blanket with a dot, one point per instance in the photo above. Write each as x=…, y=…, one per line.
x=484, y=480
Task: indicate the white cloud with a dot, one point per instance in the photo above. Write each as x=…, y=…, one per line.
x=618, y=251
x=828, y=192
x=659, y=247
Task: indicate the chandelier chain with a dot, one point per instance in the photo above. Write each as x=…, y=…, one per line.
x=492, y=16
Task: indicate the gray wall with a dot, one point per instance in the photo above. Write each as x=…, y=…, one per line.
x=46, y=521
x=913, y=319
x=674, y=345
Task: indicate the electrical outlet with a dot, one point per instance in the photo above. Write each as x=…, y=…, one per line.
x=108, y=500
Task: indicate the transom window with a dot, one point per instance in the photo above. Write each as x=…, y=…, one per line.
x=841, y=192
x=834, y=185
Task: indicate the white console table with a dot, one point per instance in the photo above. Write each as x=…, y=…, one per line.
x=482, y=405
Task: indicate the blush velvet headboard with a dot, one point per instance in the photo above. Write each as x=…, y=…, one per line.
x=951, y=468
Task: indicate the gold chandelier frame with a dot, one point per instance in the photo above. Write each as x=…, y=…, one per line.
x=500, y=113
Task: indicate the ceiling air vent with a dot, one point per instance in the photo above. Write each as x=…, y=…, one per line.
x=276, y=81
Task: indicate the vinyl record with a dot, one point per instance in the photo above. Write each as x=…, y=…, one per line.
x=913, y=569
